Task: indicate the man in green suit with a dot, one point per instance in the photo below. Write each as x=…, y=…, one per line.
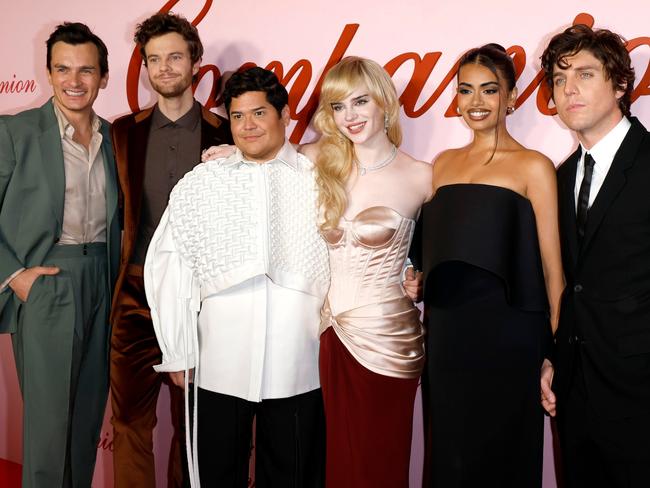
x=59, y=252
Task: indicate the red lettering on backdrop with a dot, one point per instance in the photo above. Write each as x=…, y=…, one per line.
x=300, y=74
x=643, y=88
x=304, y=116
x=18, y=86
x=105, y=442
x=216, y=77
x=421, y=71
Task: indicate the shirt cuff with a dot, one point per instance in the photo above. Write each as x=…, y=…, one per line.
x=175, y=365
x=407, y=264
x=6, y=282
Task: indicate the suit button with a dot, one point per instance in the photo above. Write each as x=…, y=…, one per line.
x=577, y=288
x=56, y=240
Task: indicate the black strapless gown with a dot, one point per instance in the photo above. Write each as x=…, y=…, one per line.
x=488, y=328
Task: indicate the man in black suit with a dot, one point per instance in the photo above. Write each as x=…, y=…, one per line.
x=602, y=357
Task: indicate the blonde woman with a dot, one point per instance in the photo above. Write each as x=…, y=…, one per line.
x=371, y=350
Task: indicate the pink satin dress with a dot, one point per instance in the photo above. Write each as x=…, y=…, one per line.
x=372, y=352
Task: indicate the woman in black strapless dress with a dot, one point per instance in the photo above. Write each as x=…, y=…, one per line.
x=491, y=257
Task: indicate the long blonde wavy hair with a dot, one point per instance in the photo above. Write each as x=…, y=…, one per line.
x=335, y=161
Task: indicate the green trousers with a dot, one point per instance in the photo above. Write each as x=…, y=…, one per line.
x=61, y=352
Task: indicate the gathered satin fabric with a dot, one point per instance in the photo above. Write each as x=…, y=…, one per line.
x=366, y=304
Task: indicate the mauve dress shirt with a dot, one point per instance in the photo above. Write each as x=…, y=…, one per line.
x=84, y=204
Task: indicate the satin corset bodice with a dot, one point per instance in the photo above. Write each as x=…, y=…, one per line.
x=367, y=254
x=366, y=304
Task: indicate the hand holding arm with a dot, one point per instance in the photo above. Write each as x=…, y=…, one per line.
x=548, y=397
x=413, y=284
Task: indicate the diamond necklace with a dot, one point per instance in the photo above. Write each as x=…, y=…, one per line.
x=364, y=169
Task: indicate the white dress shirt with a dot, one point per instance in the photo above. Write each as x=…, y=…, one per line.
x=238, y=269
x=603, y=153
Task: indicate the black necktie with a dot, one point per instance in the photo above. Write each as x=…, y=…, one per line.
x=583, y=196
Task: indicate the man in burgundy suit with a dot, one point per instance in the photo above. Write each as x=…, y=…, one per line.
x=154, y=148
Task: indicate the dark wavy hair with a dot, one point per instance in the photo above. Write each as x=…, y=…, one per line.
x=256, y=79
x=77, y=33
x=165, y=23
x=605, y=45
x=495, y=58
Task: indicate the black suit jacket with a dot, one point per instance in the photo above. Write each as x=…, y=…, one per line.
x=605, y=312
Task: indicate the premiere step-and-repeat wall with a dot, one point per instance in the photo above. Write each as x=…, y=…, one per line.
x=418, y=41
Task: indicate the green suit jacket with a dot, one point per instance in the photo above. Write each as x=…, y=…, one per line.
x=32, y=187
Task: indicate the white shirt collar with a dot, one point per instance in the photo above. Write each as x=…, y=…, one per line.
x=287, y=155
x=603, y=153
x=604, y=150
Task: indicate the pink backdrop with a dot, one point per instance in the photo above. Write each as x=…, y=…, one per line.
x=418, y=41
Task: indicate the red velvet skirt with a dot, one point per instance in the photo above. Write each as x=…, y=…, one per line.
x=369, y=421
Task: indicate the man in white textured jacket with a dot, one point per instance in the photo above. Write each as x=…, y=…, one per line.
x=235, y=276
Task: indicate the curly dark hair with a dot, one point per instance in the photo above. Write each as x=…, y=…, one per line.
x=256, y=79
x=164, y=23
x=77, y=33
x=605, y=45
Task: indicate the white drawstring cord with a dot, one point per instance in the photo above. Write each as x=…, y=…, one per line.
x=192, y=310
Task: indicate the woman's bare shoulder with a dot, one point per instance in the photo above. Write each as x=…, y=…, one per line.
x=311, y=150
x=535, y=164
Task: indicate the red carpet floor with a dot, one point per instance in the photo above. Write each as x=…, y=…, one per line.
x=9, y=474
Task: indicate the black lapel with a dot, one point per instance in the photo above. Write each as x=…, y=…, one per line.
x=567, y=182
x=615, y=179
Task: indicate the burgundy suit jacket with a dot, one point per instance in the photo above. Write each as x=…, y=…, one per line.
x=130, y=134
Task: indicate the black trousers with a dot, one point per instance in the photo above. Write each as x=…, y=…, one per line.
x=598, y=452
x=289, y=446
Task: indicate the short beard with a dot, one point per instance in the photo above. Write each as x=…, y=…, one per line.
x=173, y=91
